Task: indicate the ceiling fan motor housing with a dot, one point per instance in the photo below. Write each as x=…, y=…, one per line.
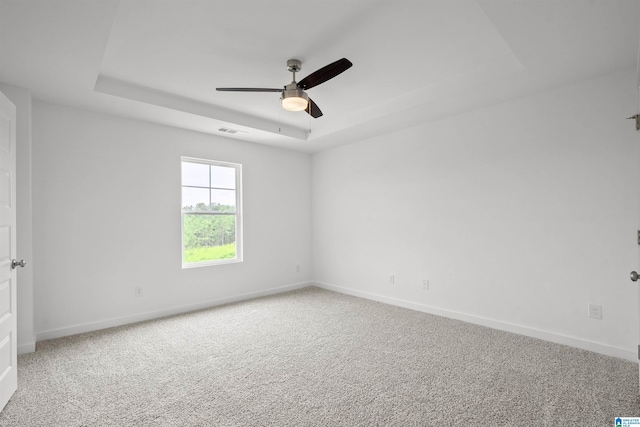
x=294, y=98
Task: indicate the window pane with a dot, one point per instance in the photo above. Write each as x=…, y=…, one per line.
x=196, y=174
x=211, y=206
x=195, y=199
x=223, y=177
x=223, y=200
x=209, y=237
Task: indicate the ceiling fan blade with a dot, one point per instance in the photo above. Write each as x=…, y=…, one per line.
x=313, y=110
x=325, y=73
x=247, y=89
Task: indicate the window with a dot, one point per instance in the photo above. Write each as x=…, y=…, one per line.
x=211, y=212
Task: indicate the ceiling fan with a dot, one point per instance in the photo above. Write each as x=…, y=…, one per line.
x=294, y=97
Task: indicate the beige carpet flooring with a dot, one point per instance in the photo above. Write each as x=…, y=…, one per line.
x=316, y=358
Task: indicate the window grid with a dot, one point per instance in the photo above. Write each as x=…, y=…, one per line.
x=231, y=227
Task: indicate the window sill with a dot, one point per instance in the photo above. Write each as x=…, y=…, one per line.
x=211, y=263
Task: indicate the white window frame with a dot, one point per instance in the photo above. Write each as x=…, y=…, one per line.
x=238, y=214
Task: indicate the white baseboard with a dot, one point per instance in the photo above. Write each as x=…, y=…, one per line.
x=140, y=317
x=491, y=323
x=26, y=348
x=595, y=347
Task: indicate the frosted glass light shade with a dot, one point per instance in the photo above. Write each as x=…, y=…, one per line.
x=294, y=103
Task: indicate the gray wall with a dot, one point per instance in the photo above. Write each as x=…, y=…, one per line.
x=107, y=218
x=519, y=215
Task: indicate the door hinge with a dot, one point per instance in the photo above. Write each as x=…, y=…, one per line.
x=638, y=237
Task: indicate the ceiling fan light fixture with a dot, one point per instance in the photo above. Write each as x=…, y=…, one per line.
x=294, y=100
x=294, y=97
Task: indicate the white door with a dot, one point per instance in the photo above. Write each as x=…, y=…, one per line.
x=634, y=275
x=8, y=348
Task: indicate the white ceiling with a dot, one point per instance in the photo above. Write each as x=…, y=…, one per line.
x=414, y=60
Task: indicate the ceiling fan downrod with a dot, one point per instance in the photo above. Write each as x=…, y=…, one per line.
x=294, y=98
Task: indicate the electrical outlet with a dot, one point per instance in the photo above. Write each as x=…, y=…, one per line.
x=137, y=291
x=392, y=279
x=425, y=285
x=595, y=311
